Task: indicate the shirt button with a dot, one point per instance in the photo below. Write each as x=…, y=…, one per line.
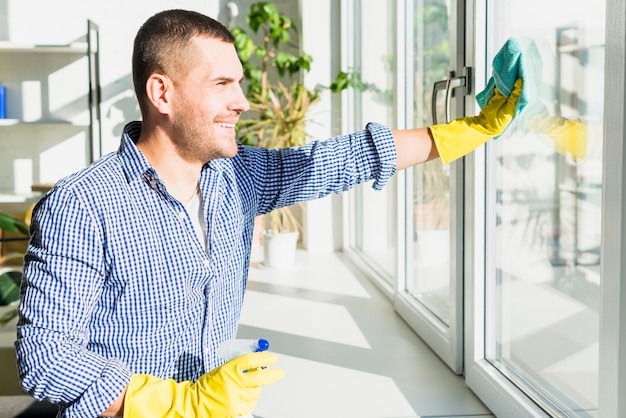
x=206, y=263
x=181, y=215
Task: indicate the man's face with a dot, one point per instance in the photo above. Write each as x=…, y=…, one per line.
x=207, y=102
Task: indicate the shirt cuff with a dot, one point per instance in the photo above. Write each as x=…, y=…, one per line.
x=386, y=150
x=113, y=380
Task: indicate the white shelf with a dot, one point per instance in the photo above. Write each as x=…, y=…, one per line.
x=74, y=48
x=18, y=198
x=57, y=89
x=19, y=122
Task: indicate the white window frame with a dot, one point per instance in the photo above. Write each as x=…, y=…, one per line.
x=498, y=393
x=612, y=402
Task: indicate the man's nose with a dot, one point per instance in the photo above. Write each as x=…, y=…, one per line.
x=240, y=103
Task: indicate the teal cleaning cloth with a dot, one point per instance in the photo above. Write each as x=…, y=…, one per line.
x=516, y=59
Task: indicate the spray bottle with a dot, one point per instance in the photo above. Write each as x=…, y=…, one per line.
x=230, y=349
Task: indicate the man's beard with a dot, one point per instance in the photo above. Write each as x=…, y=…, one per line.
x=196, y=143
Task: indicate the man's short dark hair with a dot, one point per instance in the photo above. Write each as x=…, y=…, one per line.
x=161, y=45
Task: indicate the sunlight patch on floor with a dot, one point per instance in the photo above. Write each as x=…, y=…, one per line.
x=302, y=317
x=312, y=389
x=311, y=272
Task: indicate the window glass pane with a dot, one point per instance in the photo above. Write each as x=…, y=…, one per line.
x=544, y=276
x=376, y=210
x=429, y=280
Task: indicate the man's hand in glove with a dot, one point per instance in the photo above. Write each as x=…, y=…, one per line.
x=461, y=136
x=231, y=390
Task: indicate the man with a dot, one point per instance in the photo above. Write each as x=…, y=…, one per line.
x=137, y=265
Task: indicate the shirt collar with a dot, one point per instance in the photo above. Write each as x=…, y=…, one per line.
x=134, y=163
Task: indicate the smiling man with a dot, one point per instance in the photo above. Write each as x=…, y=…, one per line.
x=137, y=266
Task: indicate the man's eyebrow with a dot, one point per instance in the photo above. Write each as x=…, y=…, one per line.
x=227, y=79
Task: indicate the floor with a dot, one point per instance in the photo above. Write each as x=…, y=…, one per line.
x=345, y=352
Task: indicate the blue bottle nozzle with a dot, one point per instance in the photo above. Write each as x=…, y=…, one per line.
x=263, y=345
x=230, y=349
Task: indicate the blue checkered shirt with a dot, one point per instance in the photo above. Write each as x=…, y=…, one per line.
x=117, y=282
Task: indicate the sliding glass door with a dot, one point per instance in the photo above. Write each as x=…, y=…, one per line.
x=429, y=296
x=410, y=235
x=508, y=263
x=536, y=299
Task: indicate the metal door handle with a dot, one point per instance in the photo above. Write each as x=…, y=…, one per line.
x=449, y=85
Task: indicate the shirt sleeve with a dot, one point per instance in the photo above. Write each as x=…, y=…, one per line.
x=288, y=176
x=63, y=277
x=385, y=148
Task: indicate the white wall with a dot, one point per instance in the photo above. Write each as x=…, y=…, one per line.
x=320, y=39
x=62, y=21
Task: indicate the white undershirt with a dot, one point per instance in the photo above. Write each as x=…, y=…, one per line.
x=194, y=208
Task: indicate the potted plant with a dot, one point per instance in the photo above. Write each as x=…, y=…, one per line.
x=279, y=107
x=10, y=266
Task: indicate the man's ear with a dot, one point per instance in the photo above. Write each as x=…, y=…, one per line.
x=158, y=89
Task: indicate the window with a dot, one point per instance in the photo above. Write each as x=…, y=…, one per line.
x=542, y=276
x=375, y=212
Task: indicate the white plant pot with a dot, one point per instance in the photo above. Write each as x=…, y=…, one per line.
x=279, y=249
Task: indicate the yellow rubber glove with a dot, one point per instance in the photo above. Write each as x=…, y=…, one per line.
x=569, y=136
x=231, y=390
x=461, y=136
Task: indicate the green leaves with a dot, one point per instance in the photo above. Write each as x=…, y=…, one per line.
x=276, y=25
x=10, y=280
x=354, y=80
x=259, y=57
x=289, y=64
x=12, y=224
x=273, y=70
x=10, y=287
x=265, y=56
x=340, y=83
x=244, y=45
x=260, y=13
x=9, y=294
